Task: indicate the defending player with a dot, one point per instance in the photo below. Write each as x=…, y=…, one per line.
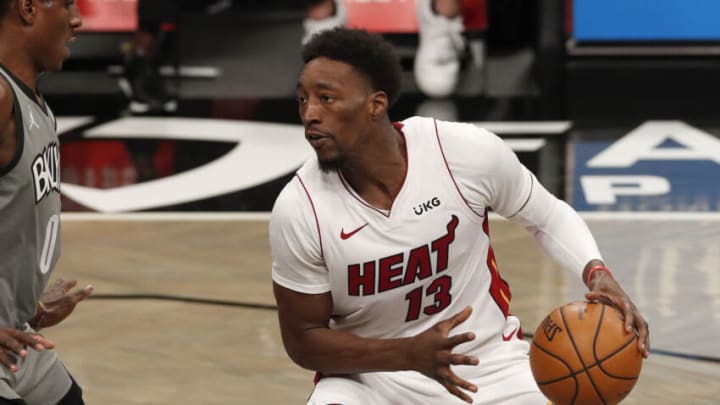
x=33, y=39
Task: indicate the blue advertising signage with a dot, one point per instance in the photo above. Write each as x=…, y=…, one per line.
x=646, y=20
x=659, y=166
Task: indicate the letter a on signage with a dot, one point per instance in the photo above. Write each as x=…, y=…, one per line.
x=644, y=143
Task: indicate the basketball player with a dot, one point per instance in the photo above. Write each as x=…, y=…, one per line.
x=33, y=39
x=383, y=273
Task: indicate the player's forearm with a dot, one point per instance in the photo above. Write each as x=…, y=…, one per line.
x=336, y=352
x=566, y=238
x=559, y=230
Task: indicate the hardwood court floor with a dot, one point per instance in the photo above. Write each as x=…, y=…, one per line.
x=150, y=351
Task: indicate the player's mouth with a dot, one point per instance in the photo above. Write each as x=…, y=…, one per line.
x=316, y=139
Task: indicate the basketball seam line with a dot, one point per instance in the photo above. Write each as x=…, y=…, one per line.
x=600, y=361
x=577, y=353
x=572, y=373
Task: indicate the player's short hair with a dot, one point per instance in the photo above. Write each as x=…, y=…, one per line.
x=369, y=53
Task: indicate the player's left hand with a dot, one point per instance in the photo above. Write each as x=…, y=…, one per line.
x=604, y=288
x=59, y=302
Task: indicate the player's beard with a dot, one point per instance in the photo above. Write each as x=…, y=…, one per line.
x=329, y=165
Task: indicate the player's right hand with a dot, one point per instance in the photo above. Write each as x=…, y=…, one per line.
x=431, y=354
x=13, y=343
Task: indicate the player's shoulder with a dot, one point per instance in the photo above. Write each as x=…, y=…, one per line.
x=445, y=128
x=416, y=121
x=296, y=191
x=287, y=204
x=7, y=100
x=289, y=194
x=462, y=134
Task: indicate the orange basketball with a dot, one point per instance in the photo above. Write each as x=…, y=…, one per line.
x=581, y=355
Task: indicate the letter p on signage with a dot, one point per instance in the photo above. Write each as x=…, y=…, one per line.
x=606, y=189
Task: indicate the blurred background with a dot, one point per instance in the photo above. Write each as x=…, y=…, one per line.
x=564, y=80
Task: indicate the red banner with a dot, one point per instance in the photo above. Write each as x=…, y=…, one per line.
x=400, y=16
x=108, y=15
x=384, y=16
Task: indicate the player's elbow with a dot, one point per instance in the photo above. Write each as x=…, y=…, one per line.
x=309, y=352
x=304, y=359
x=299, y=351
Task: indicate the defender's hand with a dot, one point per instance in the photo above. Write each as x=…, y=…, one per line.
x=58, y=302
x=13, y=344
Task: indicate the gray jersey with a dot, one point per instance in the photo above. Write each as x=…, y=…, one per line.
x=29, y=208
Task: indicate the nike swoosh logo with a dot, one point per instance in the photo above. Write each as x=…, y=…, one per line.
x=509, y=335
x=344, y=235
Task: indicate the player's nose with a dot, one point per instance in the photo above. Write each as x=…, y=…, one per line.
x=310, y=112
x=75, y=17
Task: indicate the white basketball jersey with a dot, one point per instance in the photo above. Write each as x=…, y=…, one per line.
x=395, y=274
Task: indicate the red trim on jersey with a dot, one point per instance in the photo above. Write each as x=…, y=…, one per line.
x=317, y=223
x=398, y=126
x=499, y=288
x=457, y=187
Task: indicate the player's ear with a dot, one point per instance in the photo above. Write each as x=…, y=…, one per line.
x=26, y=10
x=378, y=104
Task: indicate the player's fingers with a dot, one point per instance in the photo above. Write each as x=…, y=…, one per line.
x=601, y=297
x=455, y=340
x=8, y=361
x=621, y=303
x=460, y=317
x=69, y=285
x=624, y=306
x=453, y=384
x=460, y=359
x=13, y=344
x=34, y=340
x=83, y=293
x=59, y=282
x=629, y=314
x=643, y=332
x=634, y=322
x=592, y=295
x=459, y=382
x=42, y=342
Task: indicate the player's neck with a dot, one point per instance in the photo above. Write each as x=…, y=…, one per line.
x=378, y=174
x=22, y=69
